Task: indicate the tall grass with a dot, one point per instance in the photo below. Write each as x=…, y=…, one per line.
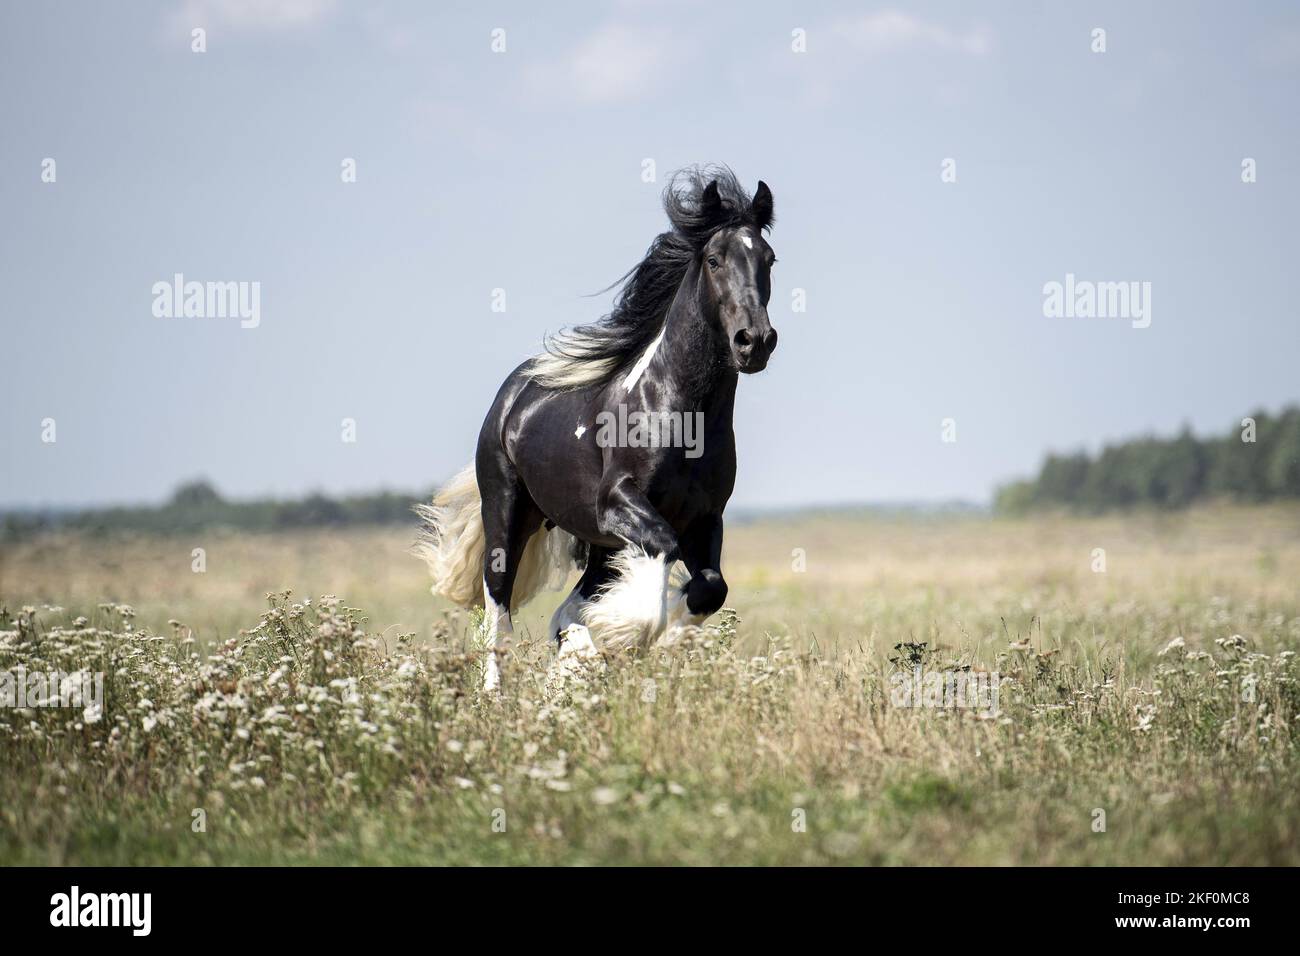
x=311, y=737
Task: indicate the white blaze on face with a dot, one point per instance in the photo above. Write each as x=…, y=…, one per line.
x=749, y=243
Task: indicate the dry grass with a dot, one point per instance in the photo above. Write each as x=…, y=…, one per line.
x=707, y=753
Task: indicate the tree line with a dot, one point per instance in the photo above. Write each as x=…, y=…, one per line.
x=1257, y=460
x=197, y=506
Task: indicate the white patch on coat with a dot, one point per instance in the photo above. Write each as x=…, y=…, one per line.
x=577, y=432
x=643, y=362
x=749, y=243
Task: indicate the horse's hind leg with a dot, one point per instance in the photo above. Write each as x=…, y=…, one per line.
x=569, y=614
x=576, y=651
x=510, y=518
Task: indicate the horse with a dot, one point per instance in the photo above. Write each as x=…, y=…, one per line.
x=558, y=482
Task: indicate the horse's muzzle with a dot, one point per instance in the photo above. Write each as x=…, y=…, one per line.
x=752, y=349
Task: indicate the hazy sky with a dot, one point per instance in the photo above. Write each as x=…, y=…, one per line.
x=522, y=170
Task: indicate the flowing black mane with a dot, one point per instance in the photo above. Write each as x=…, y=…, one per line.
x=699, y=201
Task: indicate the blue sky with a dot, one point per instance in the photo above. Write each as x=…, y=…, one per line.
x=522, y=171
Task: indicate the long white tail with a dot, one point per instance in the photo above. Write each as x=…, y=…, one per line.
x=451, y=539
x=452, y=544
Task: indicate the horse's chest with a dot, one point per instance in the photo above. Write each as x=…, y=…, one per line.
x=694, y=487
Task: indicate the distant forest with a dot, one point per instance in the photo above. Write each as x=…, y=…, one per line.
x=196, y=506
x=1257, y=460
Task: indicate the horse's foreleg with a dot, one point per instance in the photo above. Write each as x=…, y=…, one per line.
x=706, y=590
x=632, y=609
x=624, y=512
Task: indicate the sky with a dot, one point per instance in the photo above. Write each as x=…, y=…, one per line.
x=934, y=167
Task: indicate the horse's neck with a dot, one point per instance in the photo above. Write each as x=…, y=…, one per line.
x=691, y=360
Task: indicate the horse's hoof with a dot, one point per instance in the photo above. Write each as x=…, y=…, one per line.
x=575, y=641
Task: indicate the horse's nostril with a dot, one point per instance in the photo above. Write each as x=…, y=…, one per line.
x=744, y=339
x=769, y=340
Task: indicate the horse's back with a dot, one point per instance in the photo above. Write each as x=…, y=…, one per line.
x=544, y=438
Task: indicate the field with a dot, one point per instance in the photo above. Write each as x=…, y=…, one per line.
x=1146, y=713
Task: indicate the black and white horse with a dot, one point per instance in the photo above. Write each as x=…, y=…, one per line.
x=561, y=482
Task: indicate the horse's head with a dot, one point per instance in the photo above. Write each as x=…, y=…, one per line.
x=736, y=269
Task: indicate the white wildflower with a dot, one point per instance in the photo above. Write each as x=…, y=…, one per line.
x=1176, y=643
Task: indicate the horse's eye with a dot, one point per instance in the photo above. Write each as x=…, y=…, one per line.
x=713, y=262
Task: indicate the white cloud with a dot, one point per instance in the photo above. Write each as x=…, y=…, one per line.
x=616, y=63
x=892, y=31
x=265, y=16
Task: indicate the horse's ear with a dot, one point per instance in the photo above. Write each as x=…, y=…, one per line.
x=761, y=207
x=711, y=202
